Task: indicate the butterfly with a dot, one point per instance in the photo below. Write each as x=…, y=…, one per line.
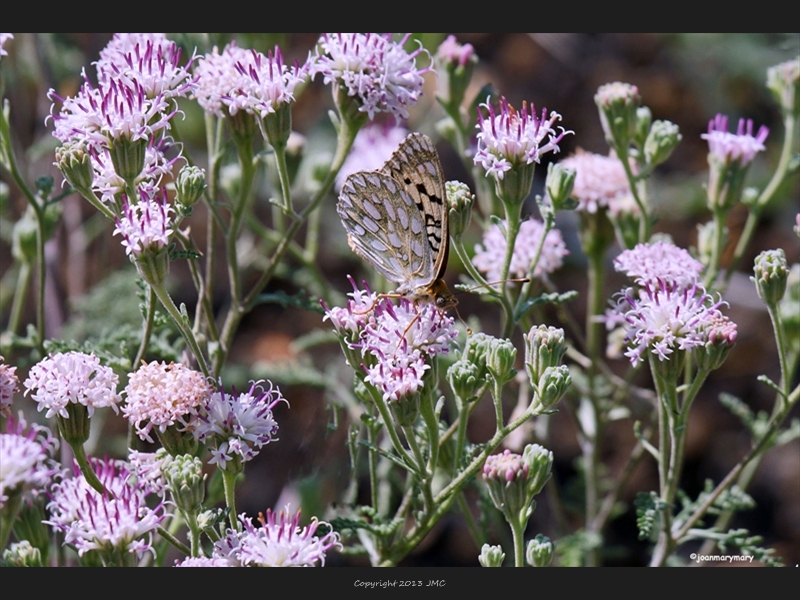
x=396, y=219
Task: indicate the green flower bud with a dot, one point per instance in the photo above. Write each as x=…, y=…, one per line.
x=491, y=556
x=664, y=136
x=559, y=183
x=460, y=201
x=617, y=103
x=153, y=264
x=405, y=410
x=189, y=186
x=74, y=162
x=552, y=386
x=177, y=441
x=540, y=463
x=22, y=554
x=76, y=426
x=500, y=358
x=771, y=273
x=644, y=119
x=545, y=346
x=24, y=239
x=186, y=482
x=540, y=551
x=465, y=380
x=783, y=81
x=278, y=125
x=721, y=333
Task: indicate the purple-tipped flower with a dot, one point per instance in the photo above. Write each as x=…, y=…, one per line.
x=266, y=83
x=600, y=181
x=9, y=385
x=26, y=459
x=239, y=424
x=659, y=261
x=279, y=542
x=162, y=395
x=148, y=58
x=509, y=138
x=72, y=378
x=145, y=225
x=490, y=256
x=397, y=343
x=741, y=147
x=217, y=78
x=351, y=319
x=118, y=525
x=380, y=73
x=664, y=317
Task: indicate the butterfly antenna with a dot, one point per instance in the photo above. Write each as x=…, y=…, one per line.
x=491, y=283
x=463, y=322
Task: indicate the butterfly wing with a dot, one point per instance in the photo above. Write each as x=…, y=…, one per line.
x=417, y=166
x=385, y=228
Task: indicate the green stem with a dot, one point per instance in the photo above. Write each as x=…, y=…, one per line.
x=87, y=471
x=148, y=329
x=229, y=484
x=182, y=324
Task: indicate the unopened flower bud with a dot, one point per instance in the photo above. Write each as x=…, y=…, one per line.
x=74, y=162
x=459, y=201
x=783, y=80
x=644, y=119
x=465, y=380
x=540, y=463
x=186, y=481
x=544, y=347
x=617, y=103
x=771, y=273
x=22, y=554
x=491, y=556
x=500, y=358
x=559, y=184
x=664, y=136
x=552, y=386
x=455, y=64
x=189, y=186
x=540, y=551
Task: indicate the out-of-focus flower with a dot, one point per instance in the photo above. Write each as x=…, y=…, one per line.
x=279, y=542
x=373, y=146
x=600, y=181
x=490, y=256
x=202, y=561
x=741, y=146
x=379, y=73
x=4, y=37
x=26, y=459
x=659, y=261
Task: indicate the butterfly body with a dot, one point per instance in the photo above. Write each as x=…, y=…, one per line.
x=396, y=219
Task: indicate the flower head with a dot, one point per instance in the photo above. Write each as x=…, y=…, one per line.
x=741, y=146
x=161, y=395
x=509, y=137
x=202, y=561
x=490, y=256
x=373, y=69
x=118, y=524
x=9, y=385
x=217, y=78
x=72, y=377
x=148, y=58
x=239, y=424
x=145, y=225
x=26, y=459
x=279, y=542
x=266, y=83
x=351, y=319
x=398, y=341
x=600, y=181
x=664, y=317
x=659, y=261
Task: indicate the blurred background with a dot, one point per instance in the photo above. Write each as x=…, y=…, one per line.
x=683, y=78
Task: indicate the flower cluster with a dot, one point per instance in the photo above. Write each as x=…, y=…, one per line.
x=239, y=424
x=664, y=316
x=395, y=341
x=648, y=263
x=26, y=459
x=741, y=147
x=490, y=255
x=9, y=385
x=162, y=395
x=150, y=59
x=509, y=137
x=372, y=68
x=600, y=181
x=118, y=524
x=279, y=542
x=72, y=377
